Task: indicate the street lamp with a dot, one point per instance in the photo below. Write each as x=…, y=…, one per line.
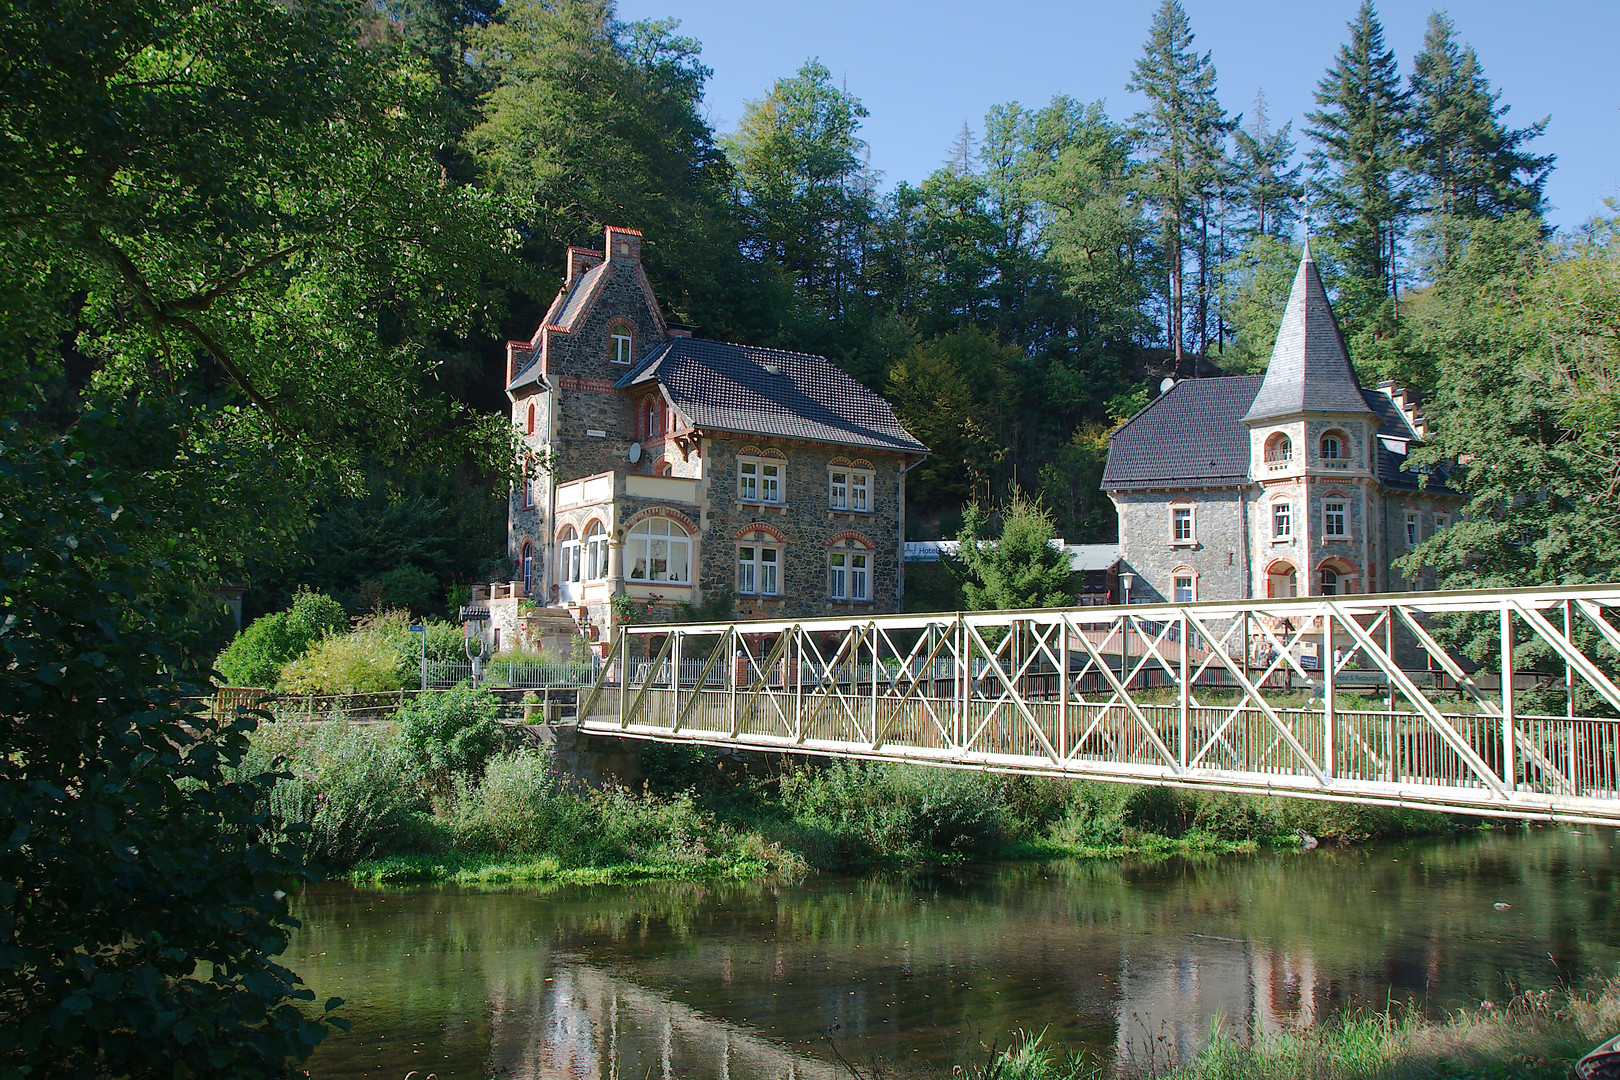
x=1126, y=580
x=423, y=631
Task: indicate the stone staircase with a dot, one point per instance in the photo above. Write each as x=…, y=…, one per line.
x=554, y=630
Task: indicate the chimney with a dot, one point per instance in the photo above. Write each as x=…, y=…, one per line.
x=517, y=354
x=580, y=260
x=623, y=244
x=676, y=329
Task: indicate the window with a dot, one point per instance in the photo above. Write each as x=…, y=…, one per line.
x=620, y=345
x=1411, y=530
x=759, y=480
x=849, y=571
x=1330, y=581
x=1333, y=519
x=1181, y=524
x=654, y=418
x=666, y=469
x=528, y=483
x=526, y=560
x=530, y=425
x=658, y=549
x=569, y=561
x=1441, y=521
x=757, y=566
x=596, y=553
x=1332, y=446
x=1282, y=520
x=1185, y=589
x=1279, y=449
x=850, y=489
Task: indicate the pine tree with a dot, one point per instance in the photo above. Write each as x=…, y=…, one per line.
x=1472, y=165
x=1363, y=198
x=1268, y=188
x=1182, y=131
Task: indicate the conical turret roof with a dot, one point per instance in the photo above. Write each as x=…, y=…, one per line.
x=1310, y=370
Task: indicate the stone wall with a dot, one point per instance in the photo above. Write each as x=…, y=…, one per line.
x=1215, y=557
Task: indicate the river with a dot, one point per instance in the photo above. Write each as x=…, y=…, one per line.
x=755, y=981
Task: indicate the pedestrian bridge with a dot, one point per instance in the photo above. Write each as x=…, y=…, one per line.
x=1348, y=698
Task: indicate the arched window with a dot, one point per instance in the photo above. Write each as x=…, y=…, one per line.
x=621, y=342
x=1281, y=580
x=849, y=571
x=1330, y=581
x=528, y=482
x=659, y=549
x=1279, y=449
x=529, y=427
x=666, y=469
x=595, y=552
x=568, y=556
x=1334, y=446
x=526, y=561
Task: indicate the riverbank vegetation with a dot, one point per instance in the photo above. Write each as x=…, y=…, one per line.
x=1535, y=1036
x=444, y=794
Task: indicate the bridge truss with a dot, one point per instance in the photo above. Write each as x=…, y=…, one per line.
x=1349, y=698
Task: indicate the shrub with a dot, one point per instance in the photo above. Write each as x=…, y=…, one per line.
x=905, y=812
x=451, y=733
x=355, y=663
x=349, y=787
x=257, y=655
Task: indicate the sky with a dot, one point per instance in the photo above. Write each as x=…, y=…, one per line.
x=922, y=69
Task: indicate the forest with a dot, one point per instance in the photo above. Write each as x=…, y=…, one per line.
x=352, y=285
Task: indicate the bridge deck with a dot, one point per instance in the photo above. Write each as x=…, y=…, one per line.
x=1339, y=698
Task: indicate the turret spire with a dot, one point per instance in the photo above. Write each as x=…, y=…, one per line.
x=1310, y=369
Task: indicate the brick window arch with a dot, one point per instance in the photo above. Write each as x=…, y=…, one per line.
x=849, y=569
x=528, y=426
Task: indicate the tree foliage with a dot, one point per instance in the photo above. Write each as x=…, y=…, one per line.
x=259, y=652
x=1020, y=568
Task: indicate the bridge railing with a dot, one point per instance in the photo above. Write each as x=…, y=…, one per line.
x=1342, y=697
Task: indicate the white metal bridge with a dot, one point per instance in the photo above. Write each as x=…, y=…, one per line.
x=1349, y=698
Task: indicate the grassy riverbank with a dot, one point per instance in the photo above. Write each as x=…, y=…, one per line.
x=1536, y=1036
x=438, y=798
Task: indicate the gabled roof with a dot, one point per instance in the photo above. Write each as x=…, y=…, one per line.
x=1310, y=370
x=749, y=390
x=1194, y=436
x=1190, y=436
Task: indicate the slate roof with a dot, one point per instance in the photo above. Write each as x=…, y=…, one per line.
x=749, y=390
x=1194, y=436
x=1310, y=370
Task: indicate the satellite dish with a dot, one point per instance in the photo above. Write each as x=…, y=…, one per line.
x=1164, y=387
x=635, y=452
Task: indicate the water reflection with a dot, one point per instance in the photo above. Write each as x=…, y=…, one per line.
x=1131, y=961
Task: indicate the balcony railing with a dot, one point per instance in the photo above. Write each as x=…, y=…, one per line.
x=605, y=487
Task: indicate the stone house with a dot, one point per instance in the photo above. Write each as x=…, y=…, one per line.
x=671, y=470
x=1293, y=483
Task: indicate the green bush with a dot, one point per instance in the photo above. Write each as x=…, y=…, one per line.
x=903, y=812
x=355, y=663
x=453, y=733
x=257, y=655
x=349, y=789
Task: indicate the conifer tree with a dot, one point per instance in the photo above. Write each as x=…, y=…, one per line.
x=1471, y=164
x=1268, y=189
x=1362, y=195
x=1182, y=131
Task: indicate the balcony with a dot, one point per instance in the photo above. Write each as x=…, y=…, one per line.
x=611, y=486
x=1277, y=461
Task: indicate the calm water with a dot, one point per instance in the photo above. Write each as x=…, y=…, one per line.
x=750, y=982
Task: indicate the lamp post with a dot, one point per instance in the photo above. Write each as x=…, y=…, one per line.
x=423, y=631
x=1126, y=580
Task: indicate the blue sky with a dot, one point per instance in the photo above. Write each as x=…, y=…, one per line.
x=924, y=68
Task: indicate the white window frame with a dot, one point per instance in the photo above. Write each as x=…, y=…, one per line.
x=850, y=489
x=1282, y=520
x=1333, y=588
x=621, y=345
x=761, y=479
x=849, y=572
x=1442, y=522
x=641, y=552
x=1338, y=446
x=759, y=568
x=1339, y=517
x=1176, y=578
x=596, y=553
x=1411, y=528
x=1191, y=539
